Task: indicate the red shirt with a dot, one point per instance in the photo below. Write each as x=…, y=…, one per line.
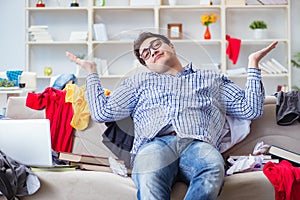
x=58, y=112
x=285, y=179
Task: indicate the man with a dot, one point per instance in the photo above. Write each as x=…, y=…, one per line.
x=178, y=113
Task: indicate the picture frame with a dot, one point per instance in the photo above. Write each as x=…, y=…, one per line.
x=175, y=31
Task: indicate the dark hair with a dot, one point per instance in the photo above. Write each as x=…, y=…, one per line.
x=141, y=38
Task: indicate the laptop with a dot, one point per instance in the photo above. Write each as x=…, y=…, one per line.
x=27, y=141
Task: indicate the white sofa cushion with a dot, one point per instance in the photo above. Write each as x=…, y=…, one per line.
x=16, y=109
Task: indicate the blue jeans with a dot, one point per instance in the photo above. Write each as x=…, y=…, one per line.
x=167, y=159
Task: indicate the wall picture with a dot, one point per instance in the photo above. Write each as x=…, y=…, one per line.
x=175, y=31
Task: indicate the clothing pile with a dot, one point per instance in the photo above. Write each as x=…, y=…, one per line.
x=287, y=107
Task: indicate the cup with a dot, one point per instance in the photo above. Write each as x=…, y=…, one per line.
x=3, y=111
x=22, y=85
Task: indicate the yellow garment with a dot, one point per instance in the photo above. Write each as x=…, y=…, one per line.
x=75, y=95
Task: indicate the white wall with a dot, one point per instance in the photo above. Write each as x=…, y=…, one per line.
x=12, y=38
x=295, y=16
x=12, y=34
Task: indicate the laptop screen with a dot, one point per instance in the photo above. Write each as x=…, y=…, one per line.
x=27, y=141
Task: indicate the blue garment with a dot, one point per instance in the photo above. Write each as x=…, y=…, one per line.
x=14, y=76
x=64, y=79
x=160, y=162
x=194, y=103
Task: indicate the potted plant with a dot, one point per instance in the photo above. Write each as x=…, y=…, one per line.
x=259, y=27
x=296, y=63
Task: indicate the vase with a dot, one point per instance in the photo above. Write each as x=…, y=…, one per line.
x=207, y=35
x=260, y=34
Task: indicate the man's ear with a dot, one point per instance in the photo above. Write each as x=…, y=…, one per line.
x=173, y=47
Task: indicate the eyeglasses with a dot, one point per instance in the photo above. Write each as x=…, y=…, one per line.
x=154, y=44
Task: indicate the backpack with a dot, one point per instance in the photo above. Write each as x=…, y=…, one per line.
x=16, y=179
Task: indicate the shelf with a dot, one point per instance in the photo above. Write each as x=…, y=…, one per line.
x=190, y=7
x=123, y=23
x=124, y=8
x=57, y=43
x=262, y=41
x=107, y=77
x=256, y=6
x=57, y=9
x=263, y=75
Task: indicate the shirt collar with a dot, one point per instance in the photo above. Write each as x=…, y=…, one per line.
x=188, y=69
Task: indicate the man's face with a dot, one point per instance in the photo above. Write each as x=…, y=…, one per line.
x=158, y=55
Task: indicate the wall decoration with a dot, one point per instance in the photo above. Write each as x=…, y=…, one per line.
x=175, y=31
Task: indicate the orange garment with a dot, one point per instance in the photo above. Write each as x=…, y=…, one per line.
x=285, y=179
x=75, y=95
x=58, y=112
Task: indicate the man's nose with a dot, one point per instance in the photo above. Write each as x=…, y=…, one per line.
x=154, y=52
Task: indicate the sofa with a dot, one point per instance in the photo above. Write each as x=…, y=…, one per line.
x=81, y=184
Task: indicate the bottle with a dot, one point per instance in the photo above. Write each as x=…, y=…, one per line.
x=101, y=2
x=74, y=3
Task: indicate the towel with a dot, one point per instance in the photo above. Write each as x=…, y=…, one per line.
x=233, y=48
x=14, y=76
x=285, y=179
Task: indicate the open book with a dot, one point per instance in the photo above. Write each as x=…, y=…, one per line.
x=284, y=154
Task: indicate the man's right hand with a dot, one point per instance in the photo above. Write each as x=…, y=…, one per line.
x=89, y=66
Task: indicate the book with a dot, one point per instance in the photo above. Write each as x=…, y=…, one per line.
x=284, y=154
x=280, y=66
x=58, y=168
x=274, y=67
x=265, y=68
x=92, y=167
x=100, y=33
x=80, y=158
x=264, y=156
x=274, y=160
x=99, y=168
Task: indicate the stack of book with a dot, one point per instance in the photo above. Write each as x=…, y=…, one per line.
x=87, y=162
x=272, y=66
x=39, y=33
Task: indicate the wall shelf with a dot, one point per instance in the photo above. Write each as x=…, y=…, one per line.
x=124, y=22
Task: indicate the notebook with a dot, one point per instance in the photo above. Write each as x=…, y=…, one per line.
x=27, y=141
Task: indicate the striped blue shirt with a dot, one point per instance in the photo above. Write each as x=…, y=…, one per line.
x=193, y=103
